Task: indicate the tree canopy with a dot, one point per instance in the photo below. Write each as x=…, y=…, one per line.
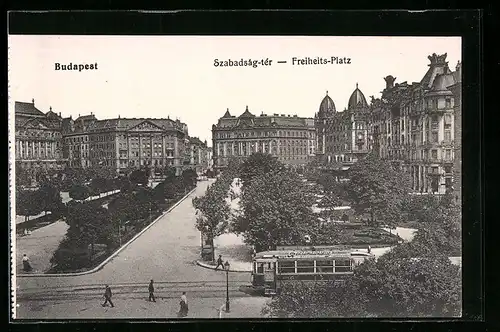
x=213, y=211
x=276, y=210
x=79, y=192
x=257, y=164
x=391, y=287
x=139, y=176
x=378, y=189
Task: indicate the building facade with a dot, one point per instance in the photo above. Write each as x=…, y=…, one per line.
x=343, y=137
x=199, y=158
x=413, y=126
x=456, y=89
x=124, y=144
x=38, y=140
x=76, y=147
x=291, y=139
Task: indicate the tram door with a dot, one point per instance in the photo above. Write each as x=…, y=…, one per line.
x=270, y=278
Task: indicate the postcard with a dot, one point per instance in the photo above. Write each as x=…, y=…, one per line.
x=184, y=177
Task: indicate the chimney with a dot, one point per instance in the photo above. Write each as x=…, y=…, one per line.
x=389, y=82
x=50, y=108
x=59, y=114
x=459, y=66
x=33, y=101
x=246, y=109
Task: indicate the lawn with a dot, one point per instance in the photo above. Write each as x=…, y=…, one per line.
x=353, y=235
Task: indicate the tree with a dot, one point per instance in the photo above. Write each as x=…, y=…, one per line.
x=421, y=208
x=125, y=185
x=79, y=192
x=299, y=299
x=276, y=210
x=121, y=207
x=99, y=185
x=392, y=286
x=144, y=203
x=189, y=177
x=213, y=212
x=28, y=203
x=169, y=171
x=378, y=189
x=139, y=176
x=50, y=198
x=23, y=178
x=88, y=224
x=257, y=164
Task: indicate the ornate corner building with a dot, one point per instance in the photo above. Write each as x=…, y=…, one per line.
x=290, y=139
x=38, y=140
x=415, y=126
x=343, y=137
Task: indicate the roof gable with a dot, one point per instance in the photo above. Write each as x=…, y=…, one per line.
x=146, y=126
x=27, y=108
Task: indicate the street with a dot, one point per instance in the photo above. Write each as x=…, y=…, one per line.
x=166, y=253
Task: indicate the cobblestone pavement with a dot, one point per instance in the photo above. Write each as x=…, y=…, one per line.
x=39, y=246
x=167, y=251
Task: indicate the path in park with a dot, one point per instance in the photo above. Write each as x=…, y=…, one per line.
x=39, y=246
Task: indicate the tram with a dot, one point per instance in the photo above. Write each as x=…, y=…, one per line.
x=270, y=268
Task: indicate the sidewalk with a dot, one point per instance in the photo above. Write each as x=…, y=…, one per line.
x=244, y=267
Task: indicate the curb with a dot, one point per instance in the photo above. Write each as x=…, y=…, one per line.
x=211, y=267
x=107, y=260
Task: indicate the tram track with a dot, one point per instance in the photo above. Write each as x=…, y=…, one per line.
x=132, y=290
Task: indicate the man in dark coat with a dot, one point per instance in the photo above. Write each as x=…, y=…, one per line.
x=151, y=291
x=107, y=297
x=219, y=262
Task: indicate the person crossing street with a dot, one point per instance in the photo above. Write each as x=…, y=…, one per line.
x=183, y=311
x=151, y=289
x=107, y=297
x=220, y=262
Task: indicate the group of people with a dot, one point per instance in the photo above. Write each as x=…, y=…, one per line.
x=183, y=311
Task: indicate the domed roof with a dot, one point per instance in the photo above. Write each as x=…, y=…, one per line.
x=357, y=99
x=327, y=107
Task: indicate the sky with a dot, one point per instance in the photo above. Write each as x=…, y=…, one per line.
x=175, y=76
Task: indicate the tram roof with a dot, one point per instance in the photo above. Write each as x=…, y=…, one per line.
x=304, y=254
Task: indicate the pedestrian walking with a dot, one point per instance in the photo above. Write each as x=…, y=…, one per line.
x=183, y=311
x=220, y=262
x=369, y=249
x=107, y=297
x=26, y=263
x=151, y=291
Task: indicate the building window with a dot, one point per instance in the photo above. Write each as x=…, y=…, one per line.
x=448, y=102
x=434, y=154
x=448, y=154
x=447, y=136
x=434, y=137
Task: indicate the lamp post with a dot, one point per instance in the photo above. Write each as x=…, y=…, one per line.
x=226, y=266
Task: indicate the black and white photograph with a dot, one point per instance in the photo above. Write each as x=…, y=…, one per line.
x=235, y=177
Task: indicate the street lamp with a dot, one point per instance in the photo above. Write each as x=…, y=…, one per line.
x=226, y=266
